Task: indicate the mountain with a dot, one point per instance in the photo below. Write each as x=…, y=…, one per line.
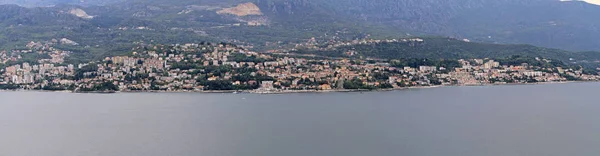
x=569, y=25
x=43, y=3
x=103, y=30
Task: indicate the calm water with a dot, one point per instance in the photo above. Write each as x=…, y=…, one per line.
x=544, y=120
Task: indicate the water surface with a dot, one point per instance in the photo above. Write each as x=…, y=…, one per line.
x=548, y=120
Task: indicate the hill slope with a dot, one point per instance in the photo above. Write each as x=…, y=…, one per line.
x=550, y=23
x=570, y=25
x=448, y=48
x=115, y=27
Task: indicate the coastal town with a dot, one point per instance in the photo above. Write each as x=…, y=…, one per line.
x=210, y=67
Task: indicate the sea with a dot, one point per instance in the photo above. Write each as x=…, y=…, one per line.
x=511, y=120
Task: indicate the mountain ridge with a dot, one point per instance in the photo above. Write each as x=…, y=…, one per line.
x=547, y=23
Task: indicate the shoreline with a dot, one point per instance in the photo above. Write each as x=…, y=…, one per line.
x=297, y=91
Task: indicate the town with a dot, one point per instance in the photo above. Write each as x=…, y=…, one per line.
x=210, y=67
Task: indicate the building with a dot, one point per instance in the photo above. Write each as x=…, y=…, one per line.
x=427, y=68
x=267, y=85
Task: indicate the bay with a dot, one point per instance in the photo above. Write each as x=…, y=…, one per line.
x=549, y=120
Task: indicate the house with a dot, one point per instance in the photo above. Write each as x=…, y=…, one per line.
x=325, y=87
x=267, y=85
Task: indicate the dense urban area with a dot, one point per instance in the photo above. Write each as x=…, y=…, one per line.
x=222, y=67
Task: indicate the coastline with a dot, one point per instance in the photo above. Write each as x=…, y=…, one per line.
x=297, y=91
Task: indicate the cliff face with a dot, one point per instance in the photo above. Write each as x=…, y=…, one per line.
x=244, y=9
x=80, y=13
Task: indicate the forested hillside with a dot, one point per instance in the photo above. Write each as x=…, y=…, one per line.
x=549, y=23
x=114, y=28
x=112, y=25
x=449, y=48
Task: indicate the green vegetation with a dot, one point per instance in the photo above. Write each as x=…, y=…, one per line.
x=56, y=87
x=356, y=84
x=218, y=85
x=548, y=23
x=436, y=48
x=445, y=48
x=113, y=30
x=80, y=72
x=103, y=87
x=519, y=60
x=239, y=57
x=31, y=58
x=415, y=63
x=9, y=87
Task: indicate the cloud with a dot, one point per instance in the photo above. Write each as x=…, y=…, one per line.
x=597, y=2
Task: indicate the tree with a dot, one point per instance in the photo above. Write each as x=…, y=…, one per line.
x=219, y=85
